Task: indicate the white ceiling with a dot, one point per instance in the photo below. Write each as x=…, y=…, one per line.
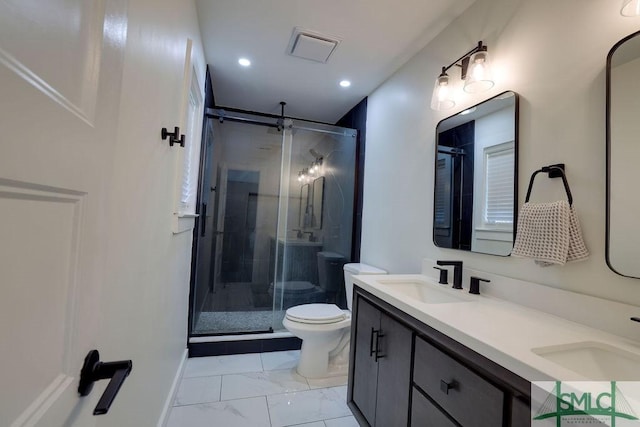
x=377, y=37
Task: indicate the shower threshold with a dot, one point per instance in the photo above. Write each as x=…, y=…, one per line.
x=241, y=344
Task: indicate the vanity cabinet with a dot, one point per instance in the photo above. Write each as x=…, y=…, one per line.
x=382, y=361
x=302, y=260
x=403, y=372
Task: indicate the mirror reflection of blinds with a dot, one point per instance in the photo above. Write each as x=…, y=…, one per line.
x=499, y=167
x=442, y=208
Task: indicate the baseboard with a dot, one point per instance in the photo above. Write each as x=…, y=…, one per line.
x=166, y=410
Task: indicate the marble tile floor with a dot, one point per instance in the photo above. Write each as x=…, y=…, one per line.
x=255, y=390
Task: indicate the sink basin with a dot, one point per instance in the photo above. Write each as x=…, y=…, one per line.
x=594, y=360
x=425, y=291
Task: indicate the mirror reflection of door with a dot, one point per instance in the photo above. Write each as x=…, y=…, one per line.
x=239, y=226
x=304, y=206
x=220, y=203
x=443, y=218
x=318, y=202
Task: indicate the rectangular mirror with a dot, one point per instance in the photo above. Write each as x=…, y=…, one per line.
x=476, y=177
x=623, y=152
x=318, y=201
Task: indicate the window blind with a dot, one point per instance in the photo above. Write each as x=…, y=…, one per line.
x=499, y=167
x=191, y=163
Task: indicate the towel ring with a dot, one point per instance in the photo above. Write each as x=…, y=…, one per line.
x=549, y=169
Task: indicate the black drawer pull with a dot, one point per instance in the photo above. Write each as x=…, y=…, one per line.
x=445, y=386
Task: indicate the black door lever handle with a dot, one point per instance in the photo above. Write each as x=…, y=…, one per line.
x=94, y=370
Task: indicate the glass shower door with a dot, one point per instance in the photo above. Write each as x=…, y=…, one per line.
x=276, y=226
x=233, y=291
x=316, y=216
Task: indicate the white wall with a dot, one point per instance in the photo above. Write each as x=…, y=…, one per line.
x=551, y=53
x=145, y=297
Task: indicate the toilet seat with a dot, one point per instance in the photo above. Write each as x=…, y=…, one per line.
x=316, y=314
x=298, y=287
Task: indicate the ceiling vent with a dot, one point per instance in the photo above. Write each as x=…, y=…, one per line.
x=311, y=45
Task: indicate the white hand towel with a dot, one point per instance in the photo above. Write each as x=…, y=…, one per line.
x=549, y=233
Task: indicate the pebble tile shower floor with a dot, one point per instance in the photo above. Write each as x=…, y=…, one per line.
x=256, y=390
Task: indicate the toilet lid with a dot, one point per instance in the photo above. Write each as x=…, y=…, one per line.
x=316, y=313
x=295, y=287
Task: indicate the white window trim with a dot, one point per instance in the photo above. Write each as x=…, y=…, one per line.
x=184, y=219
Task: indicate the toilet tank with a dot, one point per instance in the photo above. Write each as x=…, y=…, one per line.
x=330, y=270
x=356, y=268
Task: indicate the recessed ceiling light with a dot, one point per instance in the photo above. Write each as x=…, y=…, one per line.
x=345, y=83
x=244, y=62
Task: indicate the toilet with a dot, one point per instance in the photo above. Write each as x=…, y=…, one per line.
x=325, y=330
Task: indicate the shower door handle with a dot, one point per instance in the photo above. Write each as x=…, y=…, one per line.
x=203, y=220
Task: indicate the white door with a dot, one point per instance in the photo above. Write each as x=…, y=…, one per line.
x=60, y=71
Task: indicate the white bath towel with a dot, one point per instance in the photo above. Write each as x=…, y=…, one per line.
x=550, y=234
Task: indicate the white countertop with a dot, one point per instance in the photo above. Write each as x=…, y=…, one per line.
x=298, y=242
x=500, y=330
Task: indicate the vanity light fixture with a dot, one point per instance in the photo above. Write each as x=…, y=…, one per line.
x=442, y=98
x=475, y=71
x=306, y=174
x=630, y=8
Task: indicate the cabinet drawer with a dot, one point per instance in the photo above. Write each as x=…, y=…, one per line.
x=467, y=397
x=426, y=414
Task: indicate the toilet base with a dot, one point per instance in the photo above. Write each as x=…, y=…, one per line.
x=317, y=362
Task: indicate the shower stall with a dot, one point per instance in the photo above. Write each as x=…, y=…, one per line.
x=276, y=220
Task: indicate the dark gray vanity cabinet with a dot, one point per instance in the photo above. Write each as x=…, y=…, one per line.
x=381, y=357
x=405, y=373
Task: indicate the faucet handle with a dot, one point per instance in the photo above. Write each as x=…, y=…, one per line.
x=635, y=319
x=474, y=286
x=444, y=279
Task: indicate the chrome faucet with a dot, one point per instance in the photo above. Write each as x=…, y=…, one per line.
x=457, y=272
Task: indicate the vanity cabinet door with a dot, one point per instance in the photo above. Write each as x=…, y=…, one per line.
x=365, y=369
x=394, y=373
x=382, y=367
